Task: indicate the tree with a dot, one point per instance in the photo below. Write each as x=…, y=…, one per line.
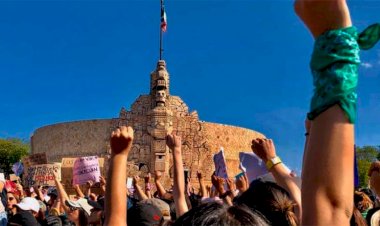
x=365, y=156
x=11, y=151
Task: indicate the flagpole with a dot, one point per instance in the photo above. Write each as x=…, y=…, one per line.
x=161, y=50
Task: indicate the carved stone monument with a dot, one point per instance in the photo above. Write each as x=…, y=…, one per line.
x=152, y=116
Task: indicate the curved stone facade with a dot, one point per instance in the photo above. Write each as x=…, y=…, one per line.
x=72, y=139
x=152, y=117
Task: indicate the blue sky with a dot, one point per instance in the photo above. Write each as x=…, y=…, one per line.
x=243, y=63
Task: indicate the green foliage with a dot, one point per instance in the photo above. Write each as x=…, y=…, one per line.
x=365, y=156
x=11, y=151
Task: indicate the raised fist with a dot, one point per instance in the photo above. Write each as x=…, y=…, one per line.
x=121, y=140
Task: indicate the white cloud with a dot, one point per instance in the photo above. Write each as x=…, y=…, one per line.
x=367, y=65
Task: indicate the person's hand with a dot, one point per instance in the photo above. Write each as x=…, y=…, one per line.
x=55, y=174
x=218, y=183
x=231, y=185
x=121, y=140
x=173, y=141
x=264, y=148
x=199, y=175
x=89, y=184
x=135, y=181
x=19, y=187
x=102, y=181
x=320, y=16
x=147, y=178
x=242, y=183
x=157, y=175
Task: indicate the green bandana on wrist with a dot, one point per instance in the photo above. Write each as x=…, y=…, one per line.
x=334, y=66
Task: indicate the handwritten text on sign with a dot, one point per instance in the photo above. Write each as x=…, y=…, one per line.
x=42, y=175
x=86, y=169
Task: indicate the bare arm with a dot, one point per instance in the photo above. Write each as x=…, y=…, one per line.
x=161, y=190
x=39, y=193
x=140, y=193
x=61, y=192
x=116, y=204
x=327, y=175
x=103, y=183
x=174, y=143
x=264, y=148
x=78, y=191
x=202, y=186
x=148, y=186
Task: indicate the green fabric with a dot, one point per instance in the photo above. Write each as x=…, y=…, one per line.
x=334, y=66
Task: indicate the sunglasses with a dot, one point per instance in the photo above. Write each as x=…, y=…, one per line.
x=72, y=208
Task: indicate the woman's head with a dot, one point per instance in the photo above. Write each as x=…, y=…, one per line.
x=362, y=201
x=79, y=211
x=77, y=215
x=271, y=200
x=12, y=199
x=213, y=214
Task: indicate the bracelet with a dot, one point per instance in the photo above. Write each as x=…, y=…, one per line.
x=272, y=162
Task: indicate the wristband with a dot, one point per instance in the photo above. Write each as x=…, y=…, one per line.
x=272, y=162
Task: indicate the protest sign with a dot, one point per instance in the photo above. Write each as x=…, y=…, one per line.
x=252, y=165
x=220, y=164
x=42, y=175
x=86, y=169
x=255, y=168
x=34, y=159
x=18, y=168
x=67, y=170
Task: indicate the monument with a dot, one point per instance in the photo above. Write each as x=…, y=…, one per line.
x=152, y=116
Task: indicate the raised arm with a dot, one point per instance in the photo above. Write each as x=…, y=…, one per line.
x=161, y=190
x=265, y=149
x=202, y=186
x=327, y=175
x=138, y=190
x=174, y=142
x=148, y=186
x=116, y=203
x=61, y=192
x=78, y=191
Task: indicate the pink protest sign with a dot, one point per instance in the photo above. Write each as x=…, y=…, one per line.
x=220, y=164
x=86, y=169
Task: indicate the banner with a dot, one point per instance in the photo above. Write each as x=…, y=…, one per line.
x=42, y=175
x=86, y=169
x=220, y=164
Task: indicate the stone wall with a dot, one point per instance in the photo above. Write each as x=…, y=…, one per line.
x=73, y=139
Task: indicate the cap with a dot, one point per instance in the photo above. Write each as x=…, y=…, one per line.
x=160, y=204
x=53, y=192
x=144, y=214
x=80, y=203
x=29, y=203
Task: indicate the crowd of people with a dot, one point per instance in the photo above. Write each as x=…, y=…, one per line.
x=327, y=196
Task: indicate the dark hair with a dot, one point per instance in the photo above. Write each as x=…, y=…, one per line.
x=216, y=214
x=362, y=201
x=83, y=217
x=271, y=200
